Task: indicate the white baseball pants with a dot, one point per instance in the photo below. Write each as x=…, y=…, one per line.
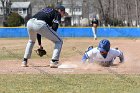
x=94, y=30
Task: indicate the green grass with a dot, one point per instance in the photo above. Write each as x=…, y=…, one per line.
x=80, y=83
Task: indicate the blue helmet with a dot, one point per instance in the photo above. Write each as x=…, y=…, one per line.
x=104, y=45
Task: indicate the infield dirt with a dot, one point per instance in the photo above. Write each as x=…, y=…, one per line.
x=12, y=51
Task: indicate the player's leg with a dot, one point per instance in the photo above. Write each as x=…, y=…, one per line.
x=94, y=32
x=30, y=44
x=49, y=33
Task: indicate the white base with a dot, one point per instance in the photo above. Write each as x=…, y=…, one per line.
x=70, y=66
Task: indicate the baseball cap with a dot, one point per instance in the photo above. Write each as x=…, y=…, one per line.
x=94, y=16
x=62, y=8
x=104, y=45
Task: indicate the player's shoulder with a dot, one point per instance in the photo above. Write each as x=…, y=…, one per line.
x=114, y=51
x=57, y=13
x=95, y=49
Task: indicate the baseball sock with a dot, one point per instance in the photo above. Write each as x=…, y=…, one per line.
x=25, y=59
x=53, y=60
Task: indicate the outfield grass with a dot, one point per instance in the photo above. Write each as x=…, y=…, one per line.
x=80, y=83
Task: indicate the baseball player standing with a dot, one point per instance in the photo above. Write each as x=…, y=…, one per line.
x=94, y=27
x=103, y=54
x=45, y=23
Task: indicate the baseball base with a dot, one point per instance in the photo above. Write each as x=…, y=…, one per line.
x=68, y=66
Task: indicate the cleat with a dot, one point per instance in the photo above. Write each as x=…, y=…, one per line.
x=95, y=38
x=54, y=64
x=24, y=64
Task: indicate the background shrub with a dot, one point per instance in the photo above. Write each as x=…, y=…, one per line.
x=14, y=19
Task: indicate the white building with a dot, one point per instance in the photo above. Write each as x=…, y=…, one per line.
x=74, y=9
x=22, y=8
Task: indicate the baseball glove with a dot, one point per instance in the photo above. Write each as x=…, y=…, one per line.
x=41, y=52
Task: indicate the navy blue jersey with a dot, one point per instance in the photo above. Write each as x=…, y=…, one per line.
x=51, y=16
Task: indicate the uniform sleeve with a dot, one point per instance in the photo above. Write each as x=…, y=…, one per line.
x=56, y=22
x=97, y=22
x=119, y=54
x=121, y=57
x=90, y=54
x=92, y=22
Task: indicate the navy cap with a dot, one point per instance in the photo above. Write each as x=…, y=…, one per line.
x=62, y=8
x=104, y=45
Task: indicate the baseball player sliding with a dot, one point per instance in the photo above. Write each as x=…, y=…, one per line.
x=45, y=23
x=103, y=54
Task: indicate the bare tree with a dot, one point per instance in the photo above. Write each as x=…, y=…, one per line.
x=72, y=8
x=6, y=4
x=128, y=12
x=112, y=9
x=117, y=9
x=85, y=9
x=101, y=8
x=125, y=10
x=105, y=9
x=51, y=2
x=4, y=8
x=137, y=17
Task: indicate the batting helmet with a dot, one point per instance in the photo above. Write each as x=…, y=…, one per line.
x=104, y=45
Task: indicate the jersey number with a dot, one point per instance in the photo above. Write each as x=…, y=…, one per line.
x=47, y=10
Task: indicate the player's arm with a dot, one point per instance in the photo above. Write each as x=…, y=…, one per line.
x=56, y=22
x=119, y=54
x=87, y=55
x=97, y=22
x=39, y=41
x=40, y=51
x=121, y=57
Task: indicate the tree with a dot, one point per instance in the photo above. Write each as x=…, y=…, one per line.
x=6, y=4
x=125, y=10
x=51, y=3
x=101, y=8
x=85, y=10
x=137, y=17
x=14, y=19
